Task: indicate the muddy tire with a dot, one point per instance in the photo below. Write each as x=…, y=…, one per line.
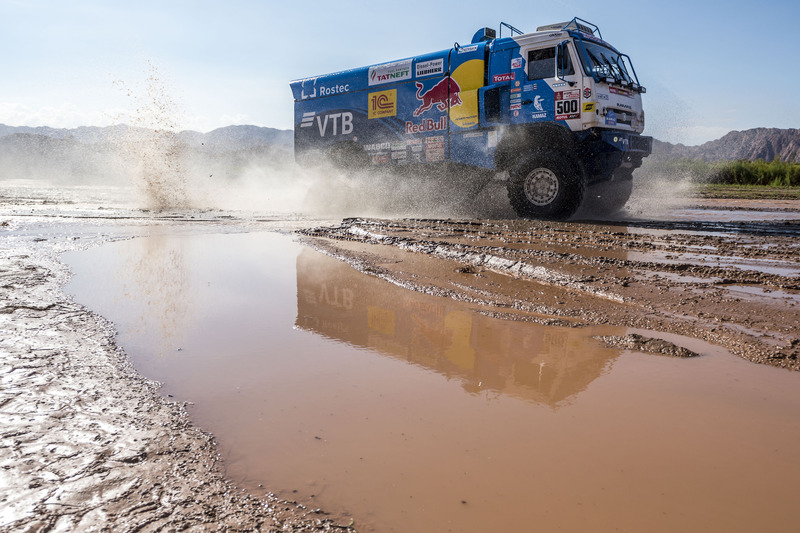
x=611, y=196
x=546, y=186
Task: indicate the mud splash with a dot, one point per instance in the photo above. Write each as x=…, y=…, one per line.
x=152, y=155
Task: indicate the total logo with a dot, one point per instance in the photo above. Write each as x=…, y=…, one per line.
x=442, y=95
x=339, y=123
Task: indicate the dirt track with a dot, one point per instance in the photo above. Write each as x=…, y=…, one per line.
x=86, y=443
x=733, y=284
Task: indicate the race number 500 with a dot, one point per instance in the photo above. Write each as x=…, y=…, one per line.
x=568, y=104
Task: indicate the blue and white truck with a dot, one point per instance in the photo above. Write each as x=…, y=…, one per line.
x=557, y=112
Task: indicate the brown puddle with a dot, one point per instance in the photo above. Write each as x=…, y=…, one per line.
x=410, y=412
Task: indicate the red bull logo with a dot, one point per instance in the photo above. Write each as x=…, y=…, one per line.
x=442, y=95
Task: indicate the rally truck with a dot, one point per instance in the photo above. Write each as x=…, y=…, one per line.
x=557, y=113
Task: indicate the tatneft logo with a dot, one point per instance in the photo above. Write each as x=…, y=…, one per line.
x=382, y=104
x=390, y=72
x=339, y=123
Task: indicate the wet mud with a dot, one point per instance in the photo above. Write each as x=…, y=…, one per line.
x=683, y=278
x=88, y=443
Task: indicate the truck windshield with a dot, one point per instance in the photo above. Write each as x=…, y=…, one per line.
x=606, y=63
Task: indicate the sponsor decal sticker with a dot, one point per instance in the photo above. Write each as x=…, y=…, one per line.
x=467, y=49
x=611, y=120
x=376, y=147
x=539, y=116
x=330, y=124
x=308, y=119
x=442, y=95
x=429, y=68
x=588, y=107
x=427, y=125
x=587, y=92
x=516, y=63
x=498, y=78
x=515, y=107
x=434, y=148
x=382, y=104
x=617, y=90
x=601, y=96
x=389, y=72
x=336, y=89
x=568, y=104
x=537, y=103
x=516, y=89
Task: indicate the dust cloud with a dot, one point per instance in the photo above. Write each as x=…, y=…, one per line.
x=160, y=167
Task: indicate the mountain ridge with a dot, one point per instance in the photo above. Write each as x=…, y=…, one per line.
x=756, y=143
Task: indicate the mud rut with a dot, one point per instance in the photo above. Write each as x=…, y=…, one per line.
x=732, y=284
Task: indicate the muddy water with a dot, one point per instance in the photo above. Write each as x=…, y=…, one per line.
x=410, y=412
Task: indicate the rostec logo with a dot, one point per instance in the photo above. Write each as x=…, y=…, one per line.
x=443, y=95
x=339, y=123
x=382, y=104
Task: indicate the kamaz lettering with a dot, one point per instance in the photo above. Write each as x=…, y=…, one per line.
x=556, y=140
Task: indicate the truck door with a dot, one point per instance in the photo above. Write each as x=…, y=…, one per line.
x=551, y=89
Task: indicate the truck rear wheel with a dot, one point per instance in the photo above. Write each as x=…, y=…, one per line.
x=546, y=186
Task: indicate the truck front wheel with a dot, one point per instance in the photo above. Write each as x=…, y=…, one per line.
x=546, y=187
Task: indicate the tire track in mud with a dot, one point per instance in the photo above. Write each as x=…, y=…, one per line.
x=739, y=289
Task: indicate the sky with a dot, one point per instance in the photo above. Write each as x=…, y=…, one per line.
x=708, y=67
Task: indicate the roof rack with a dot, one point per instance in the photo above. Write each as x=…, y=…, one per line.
x=510, y=27
x=576, y=24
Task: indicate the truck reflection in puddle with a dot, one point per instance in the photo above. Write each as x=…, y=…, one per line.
x=545, y=364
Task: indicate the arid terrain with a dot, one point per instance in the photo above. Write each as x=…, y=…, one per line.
x=89, y=444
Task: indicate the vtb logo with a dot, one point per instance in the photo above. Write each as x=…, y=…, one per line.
x=382, y=104
x=333, y=123
x=442, y=95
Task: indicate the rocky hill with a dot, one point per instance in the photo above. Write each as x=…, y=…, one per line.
x=759, y=143
x=229, y=138
x=89, y=155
